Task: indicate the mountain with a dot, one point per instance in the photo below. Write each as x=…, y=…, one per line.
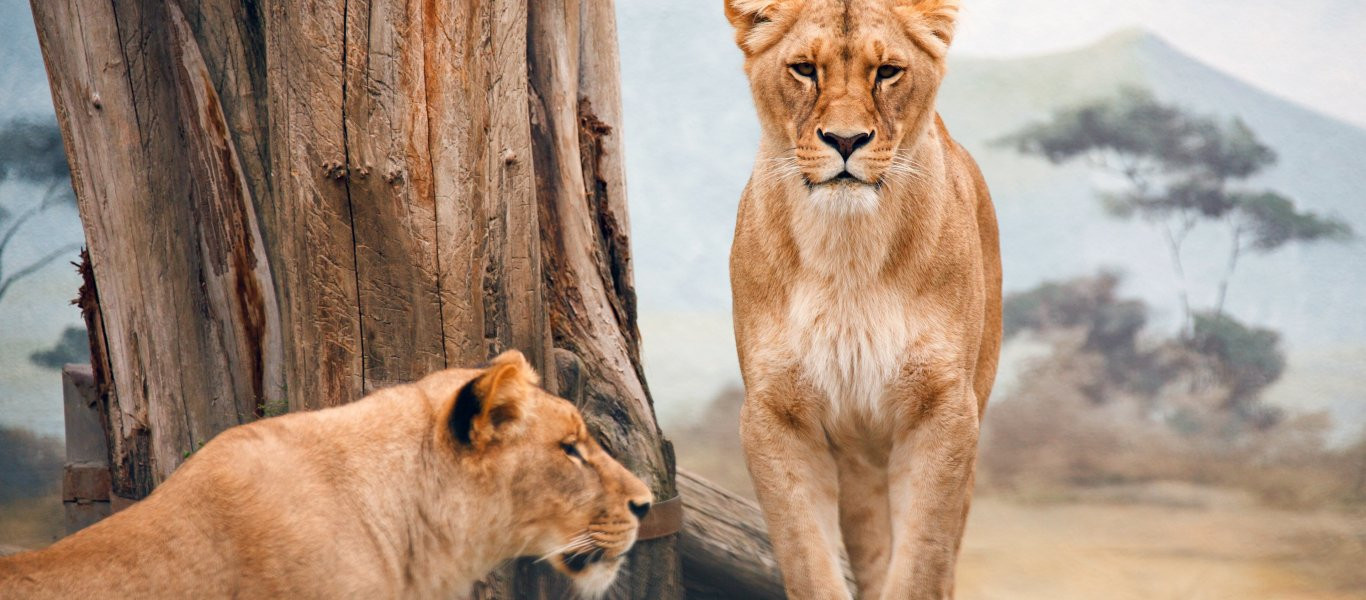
x=691, y=135
x=1052, y=225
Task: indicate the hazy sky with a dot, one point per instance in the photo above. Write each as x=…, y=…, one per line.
x=1310, y=51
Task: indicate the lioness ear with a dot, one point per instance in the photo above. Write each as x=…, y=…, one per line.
x=491, y=403
x=760, y=23
x=930, y=22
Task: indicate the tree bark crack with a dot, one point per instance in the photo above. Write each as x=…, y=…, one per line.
x=345, y=176
x=428, y=76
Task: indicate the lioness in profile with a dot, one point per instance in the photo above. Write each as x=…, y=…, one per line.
x=416, y=491
x=867, y=287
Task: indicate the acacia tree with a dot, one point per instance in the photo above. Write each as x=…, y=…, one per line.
x=1178, y=170
x=1243, y=359
x=30, y=153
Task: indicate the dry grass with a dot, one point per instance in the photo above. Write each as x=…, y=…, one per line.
x=1336, y=558
x=1053, y=437
x=31, y=523
x=1045, y=447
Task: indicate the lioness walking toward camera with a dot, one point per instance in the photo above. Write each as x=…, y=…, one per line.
x=867, y=287
x=416, y=491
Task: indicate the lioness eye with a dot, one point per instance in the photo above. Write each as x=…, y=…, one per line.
x=571, y=451
x=804, y=69
x=888, y=71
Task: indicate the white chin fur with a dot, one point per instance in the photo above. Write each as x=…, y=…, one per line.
x=594, y=581
x=842, y=198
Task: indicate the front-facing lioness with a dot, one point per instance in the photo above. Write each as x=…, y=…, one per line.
x=415, y=491
x=866, y=278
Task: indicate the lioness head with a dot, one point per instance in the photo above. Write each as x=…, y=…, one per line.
x=844, y=86
x=569, y=501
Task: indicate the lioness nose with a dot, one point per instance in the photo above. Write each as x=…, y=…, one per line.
x=639, y=509
x=845, y=145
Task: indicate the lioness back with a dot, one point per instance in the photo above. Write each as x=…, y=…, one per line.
x=416, y=491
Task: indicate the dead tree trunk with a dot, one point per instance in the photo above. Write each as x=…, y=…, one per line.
x=290, y=204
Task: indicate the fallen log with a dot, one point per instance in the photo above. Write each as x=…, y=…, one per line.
x=726, y=550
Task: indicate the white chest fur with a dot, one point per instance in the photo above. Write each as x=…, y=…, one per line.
x=850, y=343
x=850, y=329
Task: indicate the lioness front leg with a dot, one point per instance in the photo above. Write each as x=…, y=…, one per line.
x=929, y=475
x=794, y=476
x=864, y=519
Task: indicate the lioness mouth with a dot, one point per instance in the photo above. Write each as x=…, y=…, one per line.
x=578, y=561
x=844, y=175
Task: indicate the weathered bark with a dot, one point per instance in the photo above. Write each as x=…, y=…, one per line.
x=585, y=256
x=290, y=204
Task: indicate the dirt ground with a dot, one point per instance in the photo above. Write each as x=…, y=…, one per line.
x=1176, y=543
x=1156, y=542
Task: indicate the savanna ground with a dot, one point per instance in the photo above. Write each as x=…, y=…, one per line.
x=1260, y=533
x=1167, y=541
x=1150, y=540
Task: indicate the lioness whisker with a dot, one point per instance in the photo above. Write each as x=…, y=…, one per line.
x=573, y=544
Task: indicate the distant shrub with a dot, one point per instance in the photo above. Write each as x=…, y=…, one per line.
x=30, y=465
x=1112, y=404
x=1221, y=354
x=1050, y=438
